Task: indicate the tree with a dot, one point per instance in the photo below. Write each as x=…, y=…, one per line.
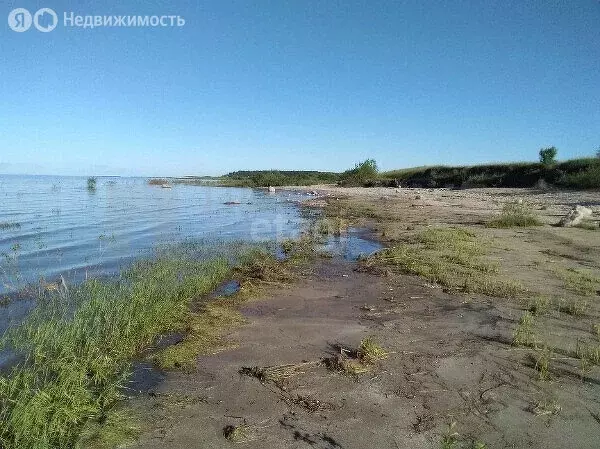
x=548, y=155
x=598, y=153
x=367, y=169
x=361, y=173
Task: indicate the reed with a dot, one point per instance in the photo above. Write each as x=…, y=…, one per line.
x=76, y=348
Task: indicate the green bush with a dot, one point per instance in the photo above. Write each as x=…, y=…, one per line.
x=514, y=214
x=361, y=173
x=587, y=179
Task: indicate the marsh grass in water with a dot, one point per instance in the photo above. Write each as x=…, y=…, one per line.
x=9, y=225
x=328, y=226
x=157, y=181
x=203, y=334
x=118, y=429
x=76, y=349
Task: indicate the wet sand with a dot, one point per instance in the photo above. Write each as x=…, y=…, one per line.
x=450, y=358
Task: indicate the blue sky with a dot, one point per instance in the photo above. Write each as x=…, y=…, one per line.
x=299, y=84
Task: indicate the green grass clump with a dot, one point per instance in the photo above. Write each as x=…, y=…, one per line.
x=451, y=438
x=370, y=352
x=259, y=266
x=335, y=226
x=573, y=306
x=203, y=335
x=239, y=434
x=298, y=251
x=524, y=334
x=542, y=363
x=450, y=257
x=539, y=305
x=490, y=286
x=77, y=348
x=118, y=429
x=357, y=361
x=514, y=214
x=581, y=282
x=589, y=354
x=589, y=225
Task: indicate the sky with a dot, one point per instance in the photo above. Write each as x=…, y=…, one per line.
x=298, y=84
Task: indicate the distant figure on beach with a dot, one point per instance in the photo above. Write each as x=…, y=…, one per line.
x=271, y=189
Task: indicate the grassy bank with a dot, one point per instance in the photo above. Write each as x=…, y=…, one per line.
x=76, y=347
x=279, y=178
x=576, y=173
x=264, y=178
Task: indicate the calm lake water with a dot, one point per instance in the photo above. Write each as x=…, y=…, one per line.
x=54, y=225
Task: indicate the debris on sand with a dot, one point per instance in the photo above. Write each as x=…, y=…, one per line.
x=276, y=374
x=356, y=361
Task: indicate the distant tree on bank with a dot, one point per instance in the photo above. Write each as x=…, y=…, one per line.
x=360, y=174
x=548, y=155
x=598, y=153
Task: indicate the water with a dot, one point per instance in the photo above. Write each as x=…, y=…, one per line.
x=59, y=227
x=54, y=226
x=352, y=245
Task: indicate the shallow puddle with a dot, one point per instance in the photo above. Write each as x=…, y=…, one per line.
x=352, y=245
